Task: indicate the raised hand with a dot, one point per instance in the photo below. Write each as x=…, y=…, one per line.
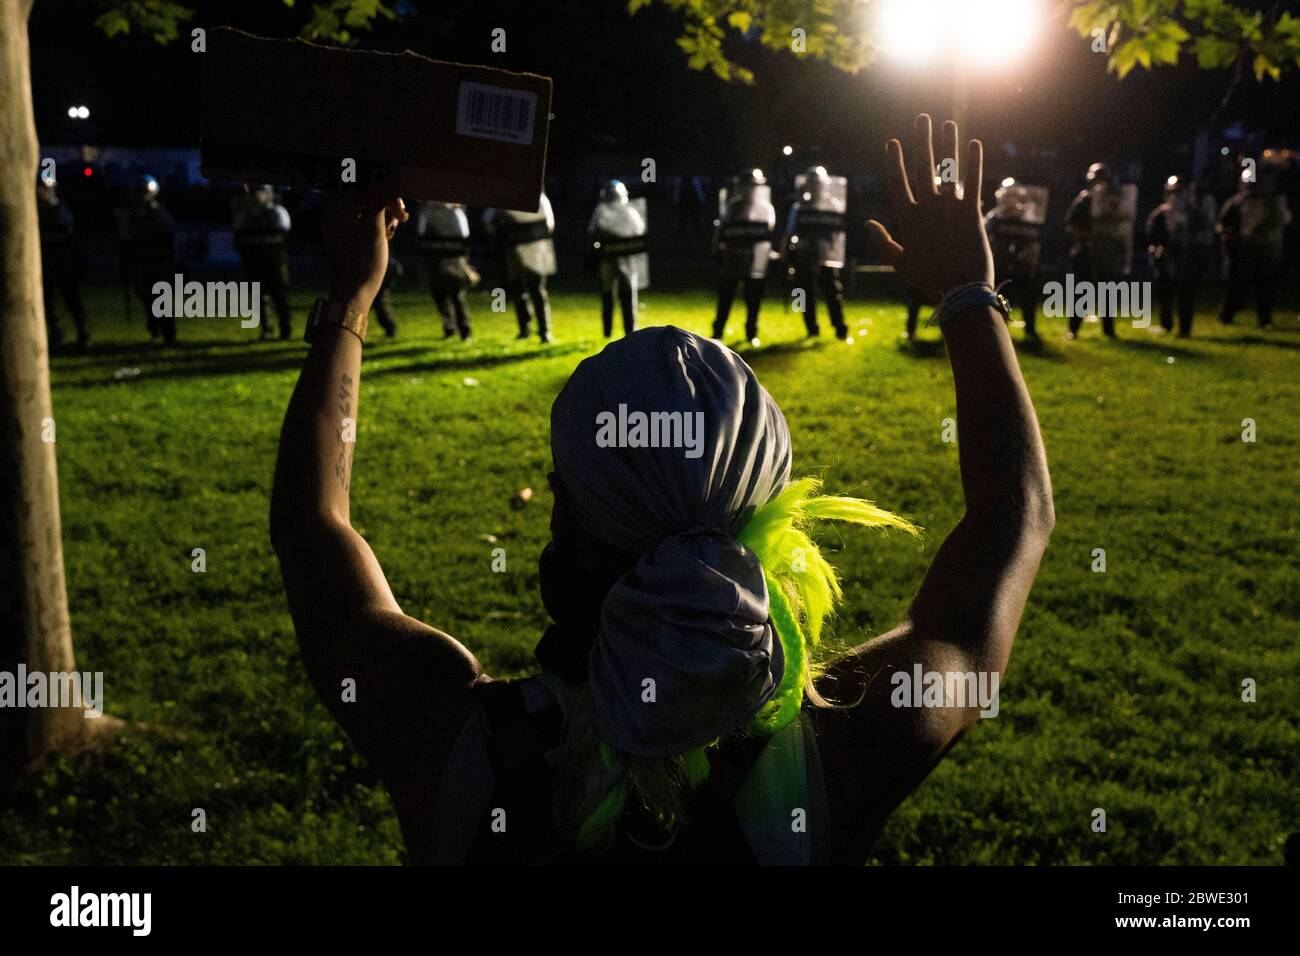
x=940, y=242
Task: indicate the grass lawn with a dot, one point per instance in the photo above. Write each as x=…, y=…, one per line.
x=1124, y=691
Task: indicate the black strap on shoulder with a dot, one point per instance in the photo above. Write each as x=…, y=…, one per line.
x=521, y=746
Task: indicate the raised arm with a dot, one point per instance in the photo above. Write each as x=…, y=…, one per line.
x=393, y=683
x=965, y=615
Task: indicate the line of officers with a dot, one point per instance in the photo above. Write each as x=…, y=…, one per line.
x=262, y=226
x=1100, y=223
x=814, y=244
x=1180, y=234
x=745, y=246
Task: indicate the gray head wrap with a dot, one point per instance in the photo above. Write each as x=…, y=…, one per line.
x=666, y=444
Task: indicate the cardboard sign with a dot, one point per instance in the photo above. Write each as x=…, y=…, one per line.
x=294, y=113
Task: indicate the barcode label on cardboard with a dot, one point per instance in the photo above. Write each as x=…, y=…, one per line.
x=494, y=112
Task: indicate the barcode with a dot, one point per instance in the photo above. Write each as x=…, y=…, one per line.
x=492, y=112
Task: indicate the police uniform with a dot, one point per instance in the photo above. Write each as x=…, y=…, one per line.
x=815, y=246
x=618, y=233
x=1014, y=228
x=528, y=247
x=1252, y=227
x=1100, y=224
x=742, y=245
x=444, y=241
x=148, y=237
x=261, y=235
x=1179, y=236
x=60, y=264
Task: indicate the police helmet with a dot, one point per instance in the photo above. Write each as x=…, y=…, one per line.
x=1100, y=172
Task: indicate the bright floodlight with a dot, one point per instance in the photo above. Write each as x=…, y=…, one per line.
x=787, y=150
x=983, y=33
x=83, y=112
x=912, y=30
x=72, y=112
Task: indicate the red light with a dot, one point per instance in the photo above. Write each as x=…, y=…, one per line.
x=87, y=172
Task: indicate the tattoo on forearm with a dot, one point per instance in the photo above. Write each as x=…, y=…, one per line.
x=347, y=434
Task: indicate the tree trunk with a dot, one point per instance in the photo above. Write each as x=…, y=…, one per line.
x=34, y=625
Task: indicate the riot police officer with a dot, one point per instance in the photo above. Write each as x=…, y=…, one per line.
x=1100, y=225
x=618, y=234
x=261, y=235
x=148, y=237
x=528, y=247
x=1179, y=233
x=1252, y=227
x=60, y=262
x=1014, y=226
x=814, y=246
x=443, y=230
x=742, y=245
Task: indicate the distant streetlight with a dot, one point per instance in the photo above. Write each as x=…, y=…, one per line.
x=787, y=150
x=78, y=112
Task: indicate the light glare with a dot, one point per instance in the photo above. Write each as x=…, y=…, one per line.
x=983, y=33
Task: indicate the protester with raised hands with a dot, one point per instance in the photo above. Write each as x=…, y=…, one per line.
x=684, y=711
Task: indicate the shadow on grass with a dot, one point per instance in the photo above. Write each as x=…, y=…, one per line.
x=922, y=348
x=179, y=351
x=935, y=349
x=94, y=376
x=1039, y=349
x=481, y=360
x=1275, y=343
x=1163, y=346
x=200, y=359
x=778, y=355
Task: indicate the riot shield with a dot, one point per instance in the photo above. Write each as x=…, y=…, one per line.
x=1263, y=218
x=1110, y=242
x=527, y=239
x=818, y=236
x=744, y=237
x=619, y=232
x=444, y=231
x=1023, y=203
